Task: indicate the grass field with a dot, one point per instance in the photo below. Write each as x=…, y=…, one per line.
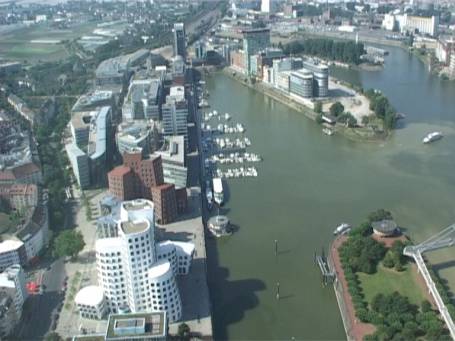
x=17, y=44
x=386, y=281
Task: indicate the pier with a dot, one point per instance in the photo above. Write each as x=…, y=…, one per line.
x=328, y=275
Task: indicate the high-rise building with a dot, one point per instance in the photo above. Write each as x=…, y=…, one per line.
x=175, y=114
x=143, y=100
x=254, y=41
x=179, y=40
x=135, y=273
x=90, y=149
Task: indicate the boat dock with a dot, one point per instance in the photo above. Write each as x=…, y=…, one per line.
x=328, y=275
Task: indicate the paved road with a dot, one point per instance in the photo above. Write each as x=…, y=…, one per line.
x=40, y=311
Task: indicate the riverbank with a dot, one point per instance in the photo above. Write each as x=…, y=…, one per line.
x=355, y=330
x=358, y=134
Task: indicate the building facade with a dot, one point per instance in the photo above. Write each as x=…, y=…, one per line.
x=254, y=41
x=179, y=40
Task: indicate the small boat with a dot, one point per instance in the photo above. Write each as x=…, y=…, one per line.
x=227, y=117
x=431, y=137
x=328, y=131
x=209, y=197
x=342, y=229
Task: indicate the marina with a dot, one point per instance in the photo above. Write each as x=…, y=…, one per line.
x=315, y=182
x=220, y=151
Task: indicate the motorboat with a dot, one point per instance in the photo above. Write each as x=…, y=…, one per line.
x=342, y=229
x=431, y=137
x=327, y=131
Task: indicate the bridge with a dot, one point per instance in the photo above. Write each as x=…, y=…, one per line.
x=443, y=239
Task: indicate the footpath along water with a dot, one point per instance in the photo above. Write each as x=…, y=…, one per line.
x=309, y=183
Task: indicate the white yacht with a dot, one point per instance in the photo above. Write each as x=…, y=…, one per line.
x=218, y=191
x=431, y=137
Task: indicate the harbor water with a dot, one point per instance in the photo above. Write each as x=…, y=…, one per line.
x=309, y=183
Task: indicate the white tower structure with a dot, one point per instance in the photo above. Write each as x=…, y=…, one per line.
x=265, y=6
x=136, y=274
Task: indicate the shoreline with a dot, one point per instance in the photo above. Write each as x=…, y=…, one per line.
x=349, y=133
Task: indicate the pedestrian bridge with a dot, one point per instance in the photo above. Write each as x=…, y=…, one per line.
x=443, y=239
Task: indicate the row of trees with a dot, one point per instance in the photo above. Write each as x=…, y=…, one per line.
x=343, y=51
x=382, y=108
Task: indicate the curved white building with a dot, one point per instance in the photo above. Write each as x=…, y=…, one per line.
x=110, y=268
x=135, y=274
x=90, y=302
x=165, y=293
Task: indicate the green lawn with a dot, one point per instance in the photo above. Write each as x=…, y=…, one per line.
x=17, y=44
x=386, y=281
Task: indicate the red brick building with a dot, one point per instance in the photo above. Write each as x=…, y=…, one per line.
x=143, y=178
x=165, y=203
x=121, y=182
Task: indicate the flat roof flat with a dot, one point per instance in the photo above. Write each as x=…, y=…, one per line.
x=155, y=326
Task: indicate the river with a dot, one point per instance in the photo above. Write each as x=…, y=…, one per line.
x=308, y=183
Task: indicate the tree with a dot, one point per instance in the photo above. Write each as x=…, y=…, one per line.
x=388, y=260
x=318, y=107
x=68, y=243
x=426, y=306
x=319, y=119
x=336, y=109
x=184, y=331
x=378, y=215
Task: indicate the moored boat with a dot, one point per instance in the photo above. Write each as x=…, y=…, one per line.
x=431, y=137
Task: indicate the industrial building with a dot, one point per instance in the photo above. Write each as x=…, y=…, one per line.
x=144, y=271
x=411, y=24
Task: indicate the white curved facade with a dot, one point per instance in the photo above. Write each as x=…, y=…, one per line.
x=164, y=290
x=110, y=268
x=133, y=272
x=90, y=302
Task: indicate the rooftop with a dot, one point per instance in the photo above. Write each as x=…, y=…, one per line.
x=173, y=149
x=155, y=326
x=90, y=295
x=10, y=245
x=134, y=226
x=159, y=268
x=120, y=171
x=384, y=226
